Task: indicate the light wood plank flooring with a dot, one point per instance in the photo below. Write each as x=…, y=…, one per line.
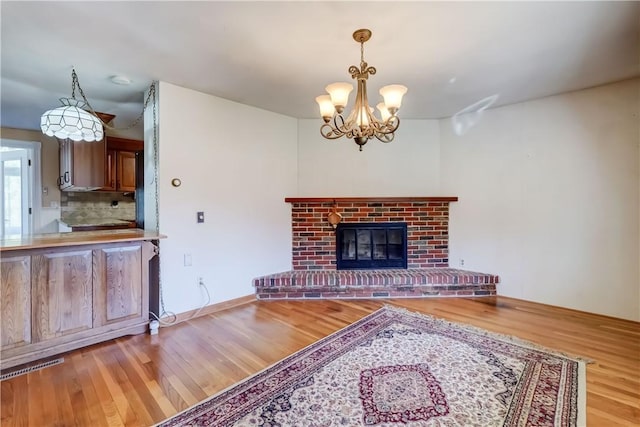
x=143, y=379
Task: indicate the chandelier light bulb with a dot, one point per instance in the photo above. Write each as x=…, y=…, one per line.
x=393, y=96
x=363, y=118
x=326, y=107
x=339, y=93
x=384, y=112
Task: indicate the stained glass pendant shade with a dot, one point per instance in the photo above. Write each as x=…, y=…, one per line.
x=71, y=121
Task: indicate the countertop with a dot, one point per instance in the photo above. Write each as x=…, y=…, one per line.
x=77, y=238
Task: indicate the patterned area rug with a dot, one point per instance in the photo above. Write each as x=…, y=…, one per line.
x=394, y=367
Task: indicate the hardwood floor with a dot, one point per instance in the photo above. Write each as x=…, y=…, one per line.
x=141, y=380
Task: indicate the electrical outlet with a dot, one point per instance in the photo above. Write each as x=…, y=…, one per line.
x=200, y=216
x=461, y=262
x=200, y=282
x=187, y=260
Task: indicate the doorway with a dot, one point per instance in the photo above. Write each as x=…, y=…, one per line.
x=19, y=161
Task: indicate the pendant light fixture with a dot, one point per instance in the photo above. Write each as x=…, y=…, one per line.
x=361, y=124
x=71, y=120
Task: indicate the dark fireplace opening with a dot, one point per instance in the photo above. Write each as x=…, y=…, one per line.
x=372, y=245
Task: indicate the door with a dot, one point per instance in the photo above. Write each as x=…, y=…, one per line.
x=15, y=205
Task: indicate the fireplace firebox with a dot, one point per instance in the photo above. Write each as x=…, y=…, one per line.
x=372, y=245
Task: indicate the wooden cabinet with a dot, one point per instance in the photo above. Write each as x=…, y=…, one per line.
x=62, y=294
x=107, y=165
x=58, y=299
x=118, y=296
x=81, y=165
x=15, y=291
x=120, y=164
x=126, y=171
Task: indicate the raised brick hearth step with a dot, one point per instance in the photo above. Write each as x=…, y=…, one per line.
x=410, y=283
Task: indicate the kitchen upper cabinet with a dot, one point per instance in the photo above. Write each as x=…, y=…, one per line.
x=120, y=164
x=126, y=171
x=81, y=165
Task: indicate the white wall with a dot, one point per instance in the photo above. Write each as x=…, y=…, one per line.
x=549, y=198
x=237, y=164
x=549, y=192
x=407, y=166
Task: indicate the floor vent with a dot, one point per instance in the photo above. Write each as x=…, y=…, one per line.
x=33, y=368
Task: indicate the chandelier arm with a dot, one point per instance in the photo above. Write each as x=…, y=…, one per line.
x=385, y=137
x=341, y=127
x=392, y=124
x=330, y=132
x=335, y=121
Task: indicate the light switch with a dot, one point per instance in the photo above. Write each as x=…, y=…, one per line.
x=200, y=216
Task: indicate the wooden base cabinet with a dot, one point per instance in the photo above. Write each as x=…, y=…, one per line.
x=59, y=299
x=61, y=294
x=118, y=296
x=15, y=294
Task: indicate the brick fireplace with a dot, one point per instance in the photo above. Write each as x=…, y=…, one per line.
x=427, y=218
x=315, y=275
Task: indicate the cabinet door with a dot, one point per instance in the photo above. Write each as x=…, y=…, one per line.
x=118, y=284
x=88, y=164
x=15, y=301
x=126, y=171
x=110, y=171
x=62, y=293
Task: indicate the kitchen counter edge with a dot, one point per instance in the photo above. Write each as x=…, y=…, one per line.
x=78, y=238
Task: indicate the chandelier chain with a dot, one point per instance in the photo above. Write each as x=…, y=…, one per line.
x=76, y=82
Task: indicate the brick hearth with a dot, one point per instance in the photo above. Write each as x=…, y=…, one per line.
x=428, y=274
x=410, y=283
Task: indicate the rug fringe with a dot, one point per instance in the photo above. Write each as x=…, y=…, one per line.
x=502, y=337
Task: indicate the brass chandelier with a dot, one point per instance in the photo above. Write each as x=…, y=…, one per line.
x=361, y=125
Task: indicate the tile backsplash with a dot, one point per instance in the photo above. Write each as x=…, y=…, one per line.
x=82, y=207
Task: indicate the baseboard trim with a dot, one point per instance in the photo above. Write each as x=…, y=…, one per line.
x=214, y=308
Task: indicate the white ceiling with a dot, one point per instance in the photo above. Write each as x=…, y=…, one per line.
x=280, y=55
